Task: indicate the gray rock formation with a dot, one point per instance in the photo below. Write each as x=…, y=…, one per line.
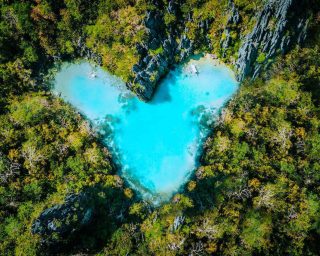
x=185, y=48
x=280, y=25
x=69, y=224
x=64, y=219
x=233, y=20
x=151, y=68
x=154, y=64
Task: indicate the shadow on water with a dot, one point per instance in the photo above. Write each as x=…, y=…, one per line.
x=129, y=103
x=162, y=92
x=111, y=203
x=204, y=117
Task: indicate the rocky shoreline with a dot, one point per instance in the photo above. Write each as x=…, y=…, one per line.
x=280, y=26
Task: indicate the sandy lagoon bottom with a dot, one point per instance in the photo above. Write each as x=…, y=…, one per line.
x=155, y=143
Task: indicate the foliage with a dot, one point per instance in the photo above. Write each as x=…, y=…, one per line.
x=257, y=189
x=261, y=58
x=47, y=151
x=115, y=35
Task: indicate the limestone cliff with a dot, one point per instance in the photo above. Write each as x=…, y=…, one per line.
x=155, y=63
x=160, y=51
x=64, y=219
x=280, y=25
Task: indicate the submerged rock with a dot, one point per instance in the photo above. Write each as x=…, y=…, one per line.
x=280, y=25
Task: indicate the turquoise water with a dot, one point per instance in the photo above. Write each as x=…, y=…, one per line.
x=155, y=143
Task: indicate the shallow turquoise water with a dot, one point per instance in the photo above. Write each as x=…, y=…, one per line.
x=156, y=143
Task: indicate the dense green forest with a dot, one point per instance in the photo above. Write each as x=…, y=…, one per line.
x=257, y=191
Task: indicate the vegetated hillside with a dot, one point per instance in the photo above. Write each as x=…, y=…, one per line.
x=48, y=152
x=257, y=191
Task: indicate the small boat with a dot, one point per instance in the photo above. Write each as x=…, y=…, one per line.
x=194, y=69
x=92, y=75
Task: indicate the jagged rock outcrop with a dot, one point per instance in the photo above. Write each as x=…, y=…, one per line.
x=280, y=25
x=152, y=65
x=164, y=48
x=65, y=225
x=185, y=48
x=233, y=20
x=62, y=220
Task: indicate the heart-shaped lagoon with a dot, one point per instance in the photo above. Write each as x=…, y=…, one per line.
x=156, y=143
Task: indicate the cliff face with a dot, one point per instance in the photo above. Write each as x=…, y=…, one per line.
x=233, y=21
x=152, y=66
x=280, y=25
x=160, y=51
x=64, y=219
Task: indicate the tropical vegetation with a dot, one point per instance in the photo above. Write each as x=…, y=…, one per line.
x=257, y=190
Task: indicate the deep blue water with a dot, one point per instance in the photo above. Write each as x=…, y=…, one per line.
x=156, y=143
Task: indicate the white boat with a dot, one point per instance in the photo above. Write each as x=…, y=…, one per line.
x=92, y=75
x=194, y=69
